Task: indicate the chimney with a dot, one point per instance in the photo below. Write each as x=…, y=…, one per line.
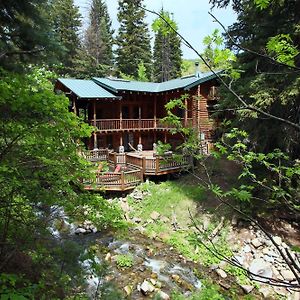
x=197, y=69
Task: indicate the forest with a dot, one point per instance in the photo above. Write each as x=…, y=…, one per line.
x=227, y=229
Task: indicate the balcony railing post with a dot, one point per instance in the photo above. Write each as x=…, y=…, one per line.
x=156, y=165
x=144, y=164
x=122, y=181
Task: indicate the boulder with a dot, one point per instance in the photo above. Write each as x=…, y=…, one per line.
x=163, y=296
x=146, y=288
x=262, y=268
x=155, y=215
x=128, y=290
x=221, y=273
x=256, y=243
x=287, y=275
x=80, y=231
x=277, y=240
x=247, y=288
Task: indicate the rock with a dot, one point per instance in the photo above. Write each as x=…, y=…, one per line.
x=234, y=220
x=247, y=288
x=94, y=230
x=163, y=296
x=260, y=267
x=128, y=290
x=146, y=288
x=239, y=259
x=287, y=275
x=158, y=284
x=80, y=231
x=108, y=256
x=268, y=258
x=137, y=220
x=153, y=281
x=175, y=277
x=277, y=240
x=163, y=236
x=221, y=273
x=266, y=291
x=165, y=219
x=247, y=249
x=224, y=284
x=155, y=215
x=256, y=243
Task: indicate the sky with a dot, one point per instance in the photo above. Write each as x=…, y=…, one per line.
x=192, y=17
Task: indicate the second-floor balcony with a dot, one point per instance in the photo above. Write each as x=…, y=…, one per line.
x=135, y=124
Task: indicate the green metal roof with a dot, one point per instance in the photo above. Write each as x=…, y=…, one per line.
x=86, y=88
x=116, y=84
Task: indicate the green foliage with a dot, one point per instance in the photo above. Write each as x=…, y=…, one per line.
x=167, y=54
x=124, y=261
x=283, y=48
x=142, y=75
x=24, y=34
x=99, y=39
x=66, y=21
x=133, y=39
x=262, y=4
x=217, y=57
x=208, y=292
x=269, y=175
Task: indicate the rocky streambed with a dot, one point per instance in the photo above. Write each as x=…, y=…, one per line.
x=138, y=266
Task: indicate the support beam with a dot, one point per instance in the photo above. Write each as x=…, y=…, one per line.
x=165, y=138
x=140, y=138
x=121, y=139
x=95, y=124
x=155, y=108
x=120, y=114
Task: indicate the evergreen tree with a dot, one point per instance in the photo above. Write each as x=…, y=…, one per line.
x=133, y=39
x=24, y=33
x=98, y=38
x=66, y=21
x=273, y=33
x=167, y=54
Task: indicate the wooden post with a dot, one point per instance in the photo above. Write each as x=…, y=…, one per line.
x=120, y=114
x=121, y=139
x=140, y=116
x=155, y=107
x=140, y=138
x=95, y=124
x=185, y=112
x=165, y=138
x=156, y=165
x=122, y=181
x=144, y=165
x=74, y=106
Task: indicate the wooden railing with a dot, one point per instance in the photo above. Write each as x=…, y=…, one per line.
x=159, y=165
x=137, y=124
x=96, y=155
x=117, y=158
x=116, y=181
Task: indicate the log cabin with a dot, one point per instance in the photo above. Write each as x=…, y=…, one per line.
x=127, y=114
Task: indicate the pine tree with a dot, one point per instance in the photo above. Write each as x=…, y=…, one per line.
x=99, y=39
x=66, y=21
x=24, y=33
x=167, y=54
x=133, y=39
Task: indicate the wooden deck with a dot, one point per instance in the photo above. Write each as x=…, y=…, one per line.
x=134, y=166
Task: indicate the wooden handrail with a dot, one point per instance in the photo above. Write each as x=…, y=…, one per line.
x=127, y=124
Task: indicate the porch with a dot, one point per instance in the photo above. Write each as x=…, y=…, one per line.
x=130, y=168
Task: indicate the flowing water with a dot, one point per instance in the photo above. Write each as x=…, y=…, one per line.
x=152, y=260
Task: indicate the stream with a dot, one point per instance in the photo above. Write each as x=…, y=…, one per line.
x=152, y=261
